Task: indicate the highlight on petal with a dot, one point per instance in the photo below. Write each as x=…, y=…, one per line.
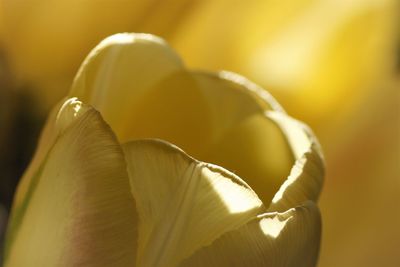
x=287, y=239
x=183, y=204
x=120, y=69
x=77, y=209
x=70, y=110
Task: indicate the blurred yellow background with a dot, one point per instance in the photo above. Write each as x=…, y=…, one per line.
x=331, y=63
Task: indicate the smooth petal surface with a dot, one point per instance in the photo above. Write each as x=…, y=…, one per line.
x=306, y=177
x=288, y=239
x=120, y=69
x=77, y=209
x=175, y=110
x=183, y=204
x=46, y=141
x=245, y=141
x=228, y=119
x=143, y=91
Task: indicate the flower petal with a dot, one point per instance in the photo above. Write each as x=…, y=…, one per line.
x=226, y=113
x=183, y=204
x=77, y=203
x=164, y=110
x=58, y=121
x=119, y=70
x=288, y=239
x=245, y=141
x=306, y=177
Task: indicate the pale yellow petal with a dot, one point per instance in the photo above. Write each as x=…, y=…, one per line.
x=306, y=177
x=46, y=140
x=288, y=239
x=224, y=123
x=119, y=70
x=245, y=141
x=54, y=126
x=77, y=209
x=175, y=110
x=183, y=204
x=256, y=150
x=225, y=111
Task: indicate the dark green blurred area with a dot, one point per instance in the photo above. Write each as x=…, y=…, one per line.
x=20, y=125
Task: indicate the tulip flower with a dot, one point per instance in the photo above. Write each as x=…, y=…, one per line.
x=111, y=185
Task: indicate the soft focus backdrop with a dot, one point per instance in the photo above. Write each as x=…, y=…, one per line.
x=332, y=63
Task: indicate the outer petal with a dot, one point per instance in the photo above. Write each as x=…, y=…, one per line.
x=183, y=204
x=288, y=239
x=77, y=209
x=120, y=69
x=46, y=141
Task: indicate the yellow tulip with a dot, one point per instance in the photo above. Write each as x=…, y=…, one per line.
x=108, y=185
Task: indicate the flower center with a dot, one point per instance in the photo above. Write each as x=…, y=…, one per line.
x=214, y=121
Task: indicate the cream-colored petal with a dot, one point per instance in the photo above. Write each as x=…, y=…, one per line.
x=174, y=110
x=245, y=141
x=306, y=177
x=257, y=150
x=59, y=119
x=288, y=239
x=46, y=140
x=77, y=209
x=183, y=204
x=226, y=112
x=263, y=97
x=120, y=69
x=231, y=99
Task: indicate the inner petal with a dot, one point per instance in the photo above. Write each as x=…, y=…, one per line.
x=217, y=121
x=174, y=110
x=256, y=150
